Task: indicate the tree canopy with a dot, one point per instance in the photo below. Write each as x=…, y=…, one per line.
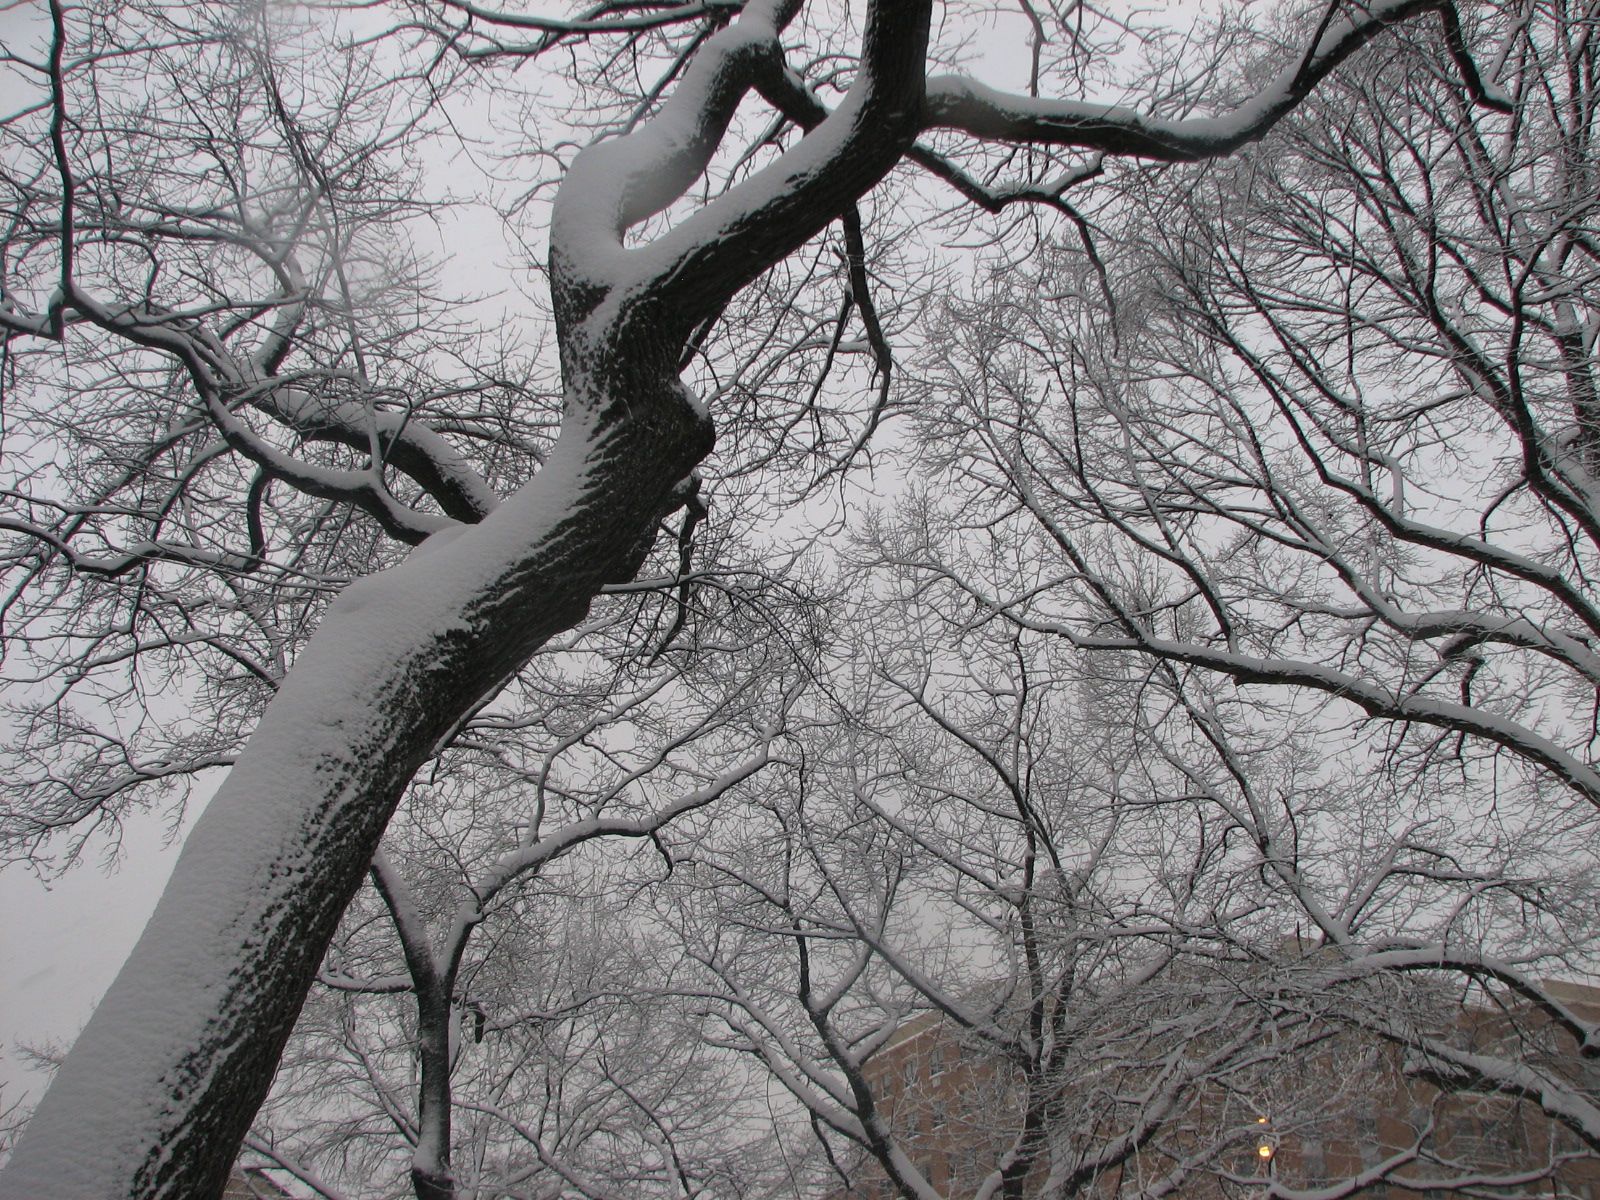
x=915, y=541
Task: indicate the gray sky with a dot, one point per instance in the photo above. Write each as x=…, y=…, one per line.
x=61, y=945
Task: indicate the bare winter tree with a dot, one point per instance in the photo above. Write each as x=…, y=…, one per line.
x=216, y=304
x=1035, y=923
x=1325, y=452
x=569, y=1070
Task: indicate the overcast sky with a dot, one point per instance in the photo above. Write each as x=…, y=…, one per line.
x=60, y=946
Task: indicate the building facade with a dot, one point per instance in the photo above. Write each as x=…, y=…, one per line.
x=1340, y=1111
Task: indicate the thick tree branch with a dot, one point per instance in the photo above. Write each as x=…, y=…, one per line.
x=954, y=102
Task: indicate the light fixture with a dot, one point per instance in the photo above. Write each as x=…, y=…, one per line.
x=1264, y=1148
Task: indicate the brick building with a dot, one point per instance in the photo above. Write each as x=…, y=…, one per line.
x=252, y=1183
x=1356, y=1117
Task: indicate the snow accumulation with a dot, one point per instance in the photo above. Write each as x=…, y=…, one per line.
x=247, y=853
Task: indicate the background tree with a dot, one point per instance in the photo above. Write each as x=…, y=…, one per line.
x=1324, y=460
x=569, y=1073
x=1036, y=922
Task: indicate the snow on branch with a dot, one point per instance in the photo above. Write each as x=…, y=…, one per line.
x=691, y=269
x=958, y=103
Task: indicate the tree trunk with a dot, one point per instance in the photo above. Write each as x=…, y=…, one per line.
x=157, y=1095
x=160, y=1089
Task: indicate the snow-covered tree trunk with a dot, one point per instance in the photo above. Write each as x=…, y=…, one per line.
x=157, y=1095
x=163, y=1082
